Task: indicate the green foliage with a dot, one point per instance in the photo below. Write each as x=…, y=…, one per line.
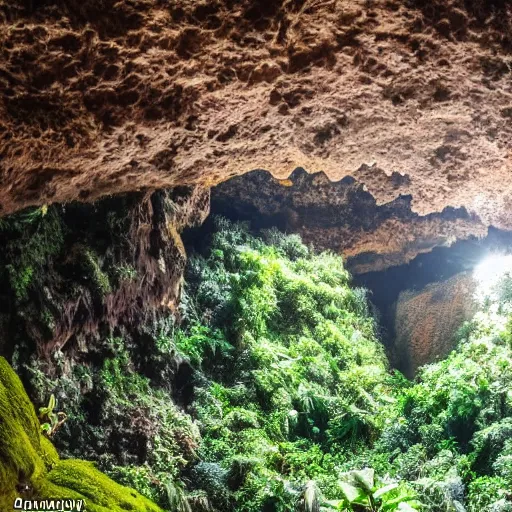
x=452, y=428
x=51, y=421
x=20, y=279
x=289, y=246
x=489, y=443
x=177, y=497
x=361, y=490
x=138, y=435
x=274, y=394
x=305, y=396
x=164, y=438
x=136, y=477
x=296, y=376
x=486, y=491
x=92, y=271
x=213, y=479
x=32, y=236
x=125, y=273
x=201, y=342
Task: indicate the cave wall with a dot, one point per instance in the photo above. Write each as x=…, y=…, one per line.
x=407, y=96
x=73, y=274
x=426, y=321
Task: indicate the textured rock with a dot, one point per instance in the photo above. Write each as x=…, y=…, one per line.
x=343, y=217
x=426, y=321
x=78, y=273
x=410, y=97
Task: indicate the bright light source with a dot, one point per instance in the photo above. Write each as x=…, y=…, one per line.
x=490, y=271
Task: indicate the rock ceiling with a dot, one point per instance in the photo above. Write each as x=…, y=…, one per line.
x=411, y=98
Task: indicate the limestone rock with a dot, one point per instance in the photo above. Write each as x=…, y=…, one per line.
x=426, y=321
x=103, y=97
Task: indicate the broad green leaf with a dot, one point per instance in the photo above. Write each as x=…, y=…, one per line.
x=402, y=501
x=332, y=504
x=398, y=500
x=366, y=477
x=384, y=490
x=351, y=493
x=404, y=507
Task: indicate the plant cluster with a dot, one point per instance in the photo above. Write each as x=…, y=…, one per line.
x=294, y=381
x=452, y=428
x=304, y=395
x=117, y=418
x=51, y=421
x=30, y=239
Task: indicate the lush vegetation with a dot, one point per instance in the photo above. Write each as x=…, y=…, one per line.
x=273, y=394
x=451, y=432
x=294, y=379
x=298, y=396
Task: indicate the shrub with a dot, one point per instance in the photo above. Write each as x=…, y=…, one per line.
x=485, y=492
x=489, y=443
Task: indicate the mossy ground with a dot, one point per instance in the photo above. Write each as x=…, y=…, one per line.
x=100, y=492
x=30, y=459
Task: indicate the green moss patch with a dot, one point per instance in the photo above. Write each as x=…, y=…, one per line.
x=27, y=458
x=100, y=492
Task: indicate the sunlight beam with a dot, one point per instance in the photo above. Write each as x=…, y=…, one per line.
x=490, y=271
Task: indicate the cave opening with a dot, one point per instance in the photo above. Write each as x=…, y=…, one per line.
x=445, y=278
x=419, y=304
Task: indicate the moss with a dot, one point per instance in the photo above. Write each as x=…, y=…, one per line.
x=20, y=279
x=26, y=456
x=33, y=237
x=124, y=273
x=49, y=454
x=19, y=436
x=97, y=488
x=100, y=282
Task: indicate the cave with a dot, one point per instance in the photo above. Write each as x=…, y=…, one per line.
x=256, y=256
x=432, y=265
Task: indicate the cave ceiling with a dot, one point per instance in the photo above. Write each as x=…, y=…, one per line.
x=411, y=99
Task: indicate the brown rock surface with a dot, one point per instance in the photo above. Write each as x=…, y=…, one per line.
x=426, y=321
x=112, y=266
x=343, y=217
x=410, y=97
